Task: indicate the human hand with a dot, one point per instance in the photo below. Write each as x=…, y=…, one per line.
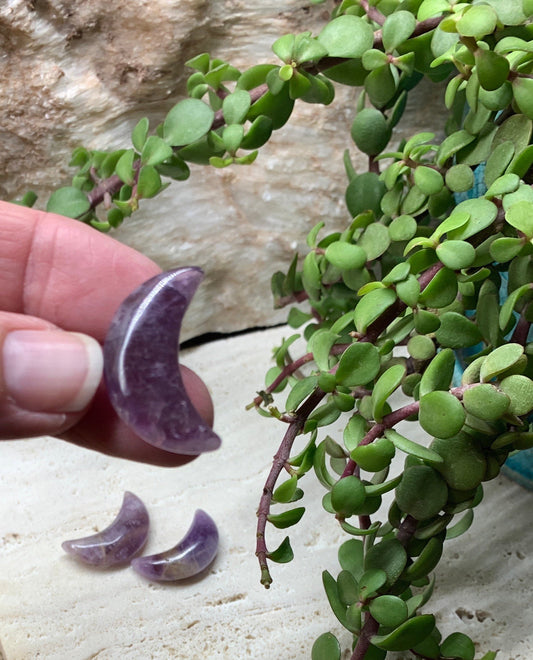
x=60, y=284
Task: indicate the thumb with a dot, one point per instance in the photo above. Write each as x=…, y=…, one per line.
x=48, y=376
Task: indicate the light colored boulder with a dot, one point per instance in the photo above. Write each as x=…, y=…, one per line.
x=84, y=72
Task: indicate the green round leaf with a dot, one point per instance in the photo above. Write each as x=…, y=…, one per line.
x=70, y=202
x=347, y=36
x=439, y=373
x=520, y=216
x=139, y=133
x=326, y=647
x=457, y=331
x=492, y=69
x=500, y=360
x=311, y=276
x=477, y=21
x=381, y=86
x=235, y=106
x=149, y=182
x=498, y=99
x=456, y=254
x=283, y=553
x=402, y=228
x=371, y=306
x=345, y=255
x=375, y=456
x=389, y=381
x=370, y=131
x=348, y=588
x=412, y=448
x=354, y=431
x=463, y=464
x=486, y=402
x=519, y=389
x=155, y=151
x=347, y=496
x=441, y=414
x=409, y=291
x=351, y=556
x=411, y=632
x=421, y=347
x=389, y=556
x=397, y=28
x=426, y=322
x=482, y=213
x=359, y=364
x=459, y=178
x=523, y=95
x=442, y=289
x=458, y=645
x=421, y=479
x=429, y=180
x=389, y=610
x=506, y=248
x=374, y=58
x=364, y=193
x=186, y=122
x=285, y=491
x=287, y=518
x=375, y=240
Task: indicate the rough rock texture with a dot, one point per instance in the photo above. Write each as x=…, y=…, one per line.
x=54, y=608
x=84, y=71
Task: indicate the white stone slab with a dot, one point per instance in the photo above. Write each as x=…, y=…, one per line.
x=52, y=608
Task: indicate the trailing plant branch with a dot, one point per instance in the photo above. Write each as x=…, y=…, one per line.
x=369, y=629
x=280, y=459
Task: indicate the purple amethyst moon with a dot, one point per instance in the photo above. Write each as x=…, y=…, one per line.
x=190, y=556
x=117, y=543
x=141, y=367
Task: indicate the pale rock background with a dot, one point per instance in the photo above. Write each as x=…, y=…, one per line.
x=85, y=71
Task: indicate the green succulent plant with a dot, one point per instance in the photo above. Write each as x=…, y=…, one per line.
x=435, y=257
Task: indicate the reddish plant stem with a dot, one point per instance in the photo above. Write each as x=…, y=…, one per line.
x=369, y=629
x=378, y=429
x=407, y=529
x=521, y=331
x=280, y=459
x=375, y=329
x=373, y=165
x=255, y=94
x=372, y=13
x=294, y=366
x=298, y=296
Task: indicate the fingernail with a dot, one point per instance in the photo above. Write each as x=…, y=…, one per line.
x=51, y=370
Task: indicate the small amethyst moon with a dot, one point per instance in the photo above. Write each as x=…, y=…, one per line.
x=190, y=556
x=119, y=542
x=141, y=367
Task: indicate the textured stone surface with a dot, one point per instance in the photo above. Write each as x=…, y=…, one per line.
x=55, y=608
x=85, y=71
x=141, y=369
x=192, y=555
x=117, y=543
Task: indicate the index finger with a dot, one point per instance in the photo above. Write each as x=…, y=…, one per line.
x=63, y=271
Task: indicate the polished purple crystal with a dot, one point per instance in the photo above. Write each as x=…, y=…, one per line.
x=191, y=556
x=141, y=365
x=119, y=542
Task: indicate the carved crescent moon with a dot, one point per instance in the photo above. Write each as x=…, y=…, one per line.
x=117, y=543
x=141, y=367
x=190, y=556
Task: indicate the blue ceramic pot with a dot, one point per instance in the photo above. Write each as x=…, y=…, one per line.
x=519, y=466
